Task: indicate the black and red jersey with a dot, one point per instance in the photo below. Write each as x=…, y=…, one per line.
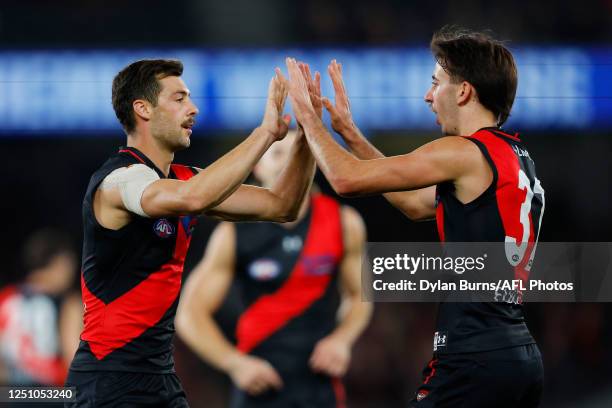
x=131, y=279
x=509, y=211
x=288, y=281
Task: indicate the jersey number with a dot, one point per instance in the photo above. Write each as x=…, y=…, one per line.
x=515, y=252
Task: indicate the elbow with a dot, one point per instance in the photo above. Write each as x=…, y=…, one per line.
x=180, y=323
x=414, y=212
x=344, y=186
x=286, y=215
x=183, y=320
x=194, y=205
x=290, y=217
x=415, y=215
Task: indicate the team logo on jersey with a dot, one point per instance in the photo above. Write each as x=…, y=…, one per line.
x=318, y=265
x=440, y=340
x=163, y=228
x=264, y=269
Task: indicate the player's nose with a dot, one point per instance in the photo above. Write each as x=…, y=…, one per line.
x=193, y=109
x=428, y=98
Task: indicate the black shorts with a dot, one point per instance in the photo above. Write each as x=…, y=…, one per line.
x=505, y=378
x=306, y=391
x=124, y=389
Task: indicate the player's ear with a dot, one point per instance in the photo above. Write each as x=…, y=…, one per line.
x=142, y=108
x=465, y=93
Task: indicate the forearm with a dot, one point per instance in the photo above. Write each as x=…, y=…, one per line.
x=296, y=178
x=354, y=321
x=364, y=150
x=338, y=165
x=358, y=144
x=206, y=339
x=219, y=180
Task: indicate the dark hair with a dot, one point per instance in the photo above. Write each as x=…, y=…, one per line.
x=139, y=80
x=483, y=62
x=43, y=246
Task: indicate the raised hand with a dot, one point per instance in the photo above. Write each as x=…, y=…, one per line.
x=340, y=114
x=273, y=120
x=314, y=88
x=299, y=92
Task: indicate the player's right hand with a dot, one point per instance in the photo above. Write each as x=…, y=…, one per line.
x=340, y=113
x=255, y=375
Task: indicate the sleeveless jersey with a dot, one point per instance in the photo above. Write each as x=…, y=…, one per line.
x=288, y=281
x=509, y=211
x=130, y=282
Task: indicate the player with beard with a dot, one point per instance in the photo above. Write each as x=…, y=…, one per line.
x=138, y=214
x=479, y=183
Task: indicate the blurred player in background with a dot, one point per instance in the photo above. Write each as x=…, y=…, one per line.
x=138, y=213
x=480, y=187
x=40, y=318
x=291, y=349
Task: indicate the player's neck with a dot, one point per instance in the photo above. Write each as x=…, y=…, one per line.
x=161, y=157
x=476, y=118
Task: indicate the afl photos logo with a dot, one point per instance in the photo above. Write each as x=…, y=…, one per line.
x=163, y=228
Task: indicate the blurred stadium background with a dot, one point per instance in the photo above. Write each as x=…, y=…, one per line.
x=57, y=61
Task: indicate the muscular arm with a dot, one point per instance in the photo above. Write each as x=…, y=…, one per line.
x=416, y=204
x=203, y=294
x=446, y=159
x=213, y=184
x=284, y=200
x=442, y=160
x=332, y=354
x=281, y=202
x=209, y=187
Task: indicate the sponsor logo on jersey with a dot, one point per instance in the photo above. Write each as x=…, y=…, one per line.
x=264, y=269
x=440, y=340
x=421, y=394
x=163, y=228
x=318, y=265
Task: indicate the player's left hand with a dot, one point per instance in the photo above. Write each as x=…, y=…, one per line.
x=331, y=356
x=340, y=112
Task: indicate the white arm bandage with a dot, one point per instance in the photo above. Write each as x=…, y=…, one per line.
x=131, y=182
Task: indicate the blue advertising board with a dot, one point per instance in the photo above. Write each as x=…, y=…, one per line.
x=69, y=91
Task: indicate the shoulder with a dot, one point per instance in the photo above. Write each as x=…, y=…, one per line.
x=130, y=172
x=225, y=231
x=451, y=144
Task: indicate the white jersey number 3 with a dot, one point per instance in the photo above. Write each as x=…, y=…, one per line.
x=515, y=251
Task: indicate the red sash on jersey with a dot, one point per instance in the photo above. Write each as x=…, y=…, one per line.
x=306, y=283
x=111, y=326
